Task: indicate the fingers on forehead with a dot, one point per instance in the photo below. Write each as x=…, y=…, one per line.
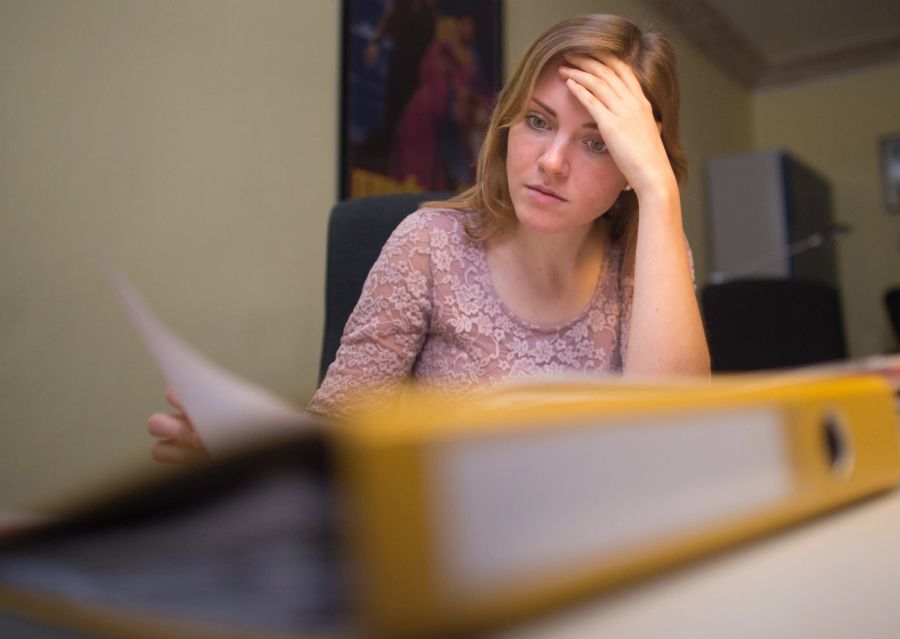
x=602, y=63
x=623, y=70
x=612, y=61
x=580, y=60
x=595, y=68
x=604, y=57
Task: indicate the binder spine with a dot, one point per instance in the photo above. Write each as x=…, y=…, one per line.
x=467, y=518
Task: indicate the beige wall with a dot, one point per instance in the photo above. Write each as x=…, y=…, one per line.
x=196, y=141
x=833, y=126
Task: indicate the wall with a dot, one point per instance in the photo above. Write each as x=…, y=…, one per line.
x=196, y=142
x=833, y=125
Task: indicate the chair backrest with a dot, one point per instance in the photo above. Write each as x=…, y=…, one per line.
x=892, y=304
x=357, y=229
x=772, y=323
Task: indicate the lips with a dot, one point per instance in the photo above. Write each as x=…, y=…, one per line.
x=543, y=193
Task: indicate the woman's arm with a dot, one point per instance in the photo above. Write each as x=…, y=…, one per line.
x=385, y=333
x=382, y=339
x=666, y=330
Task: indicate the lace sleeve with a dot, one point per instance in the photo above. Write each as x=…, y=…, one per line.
x=386, y=330
x=626, y=293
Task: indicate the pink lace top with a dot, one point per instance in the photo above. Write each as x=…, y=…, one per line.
x=429, y=309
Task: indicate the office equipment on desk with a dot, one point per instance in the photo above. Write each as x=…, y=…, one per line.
x=762, y=206
x=469, y=515
x=773, y=299
x=761, y=263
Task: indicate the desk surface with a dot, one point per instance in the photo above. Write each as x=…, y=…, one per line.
x=835, y=577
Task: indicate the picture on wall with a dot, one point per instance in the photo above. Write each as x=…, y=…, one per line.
x=890, y=171
x=418, y=82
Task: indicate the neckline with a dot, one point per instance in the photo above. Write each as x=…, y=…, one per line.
x=551, y=328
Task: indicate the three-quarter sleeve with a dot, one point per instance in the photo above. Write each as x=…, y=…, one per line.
x=388, y=327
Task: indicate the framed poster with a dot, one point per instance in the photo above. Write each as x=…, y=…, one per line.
x=889, y=147
x=418, y=82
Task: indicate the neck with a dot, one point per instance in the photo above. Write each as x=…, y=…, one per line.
x=546, y=278
x=553, y=257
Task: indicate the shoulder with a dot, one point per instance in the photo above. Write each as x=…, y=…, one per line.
x=439, y=218
x=428, y=224
x=427, y=235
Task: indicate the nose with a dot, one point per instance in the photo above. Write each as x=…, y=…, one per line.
x=554, y=158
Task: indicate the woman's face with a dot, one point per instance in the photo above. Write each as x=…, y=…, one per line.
x=559, y=173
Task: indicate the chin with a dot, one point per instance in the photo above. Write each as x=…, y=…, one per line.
x=543, y=221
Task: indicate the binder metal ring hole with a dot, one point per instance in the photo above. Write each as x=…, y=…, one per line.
x=838, y=449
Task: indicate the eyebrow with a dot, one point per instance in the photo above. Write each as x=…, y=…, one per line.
x=587, y=125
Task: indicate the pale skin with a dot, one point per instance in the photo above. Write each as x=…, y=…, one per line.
x=588, y=133
x=178, y=441
x=667, y=335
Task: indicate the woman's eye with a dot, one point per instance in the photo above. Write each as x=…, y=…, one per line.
x=536, y=122
x=596, y=146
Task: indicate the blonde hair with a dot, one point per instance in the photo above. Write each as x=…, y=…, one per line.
x=652, y=59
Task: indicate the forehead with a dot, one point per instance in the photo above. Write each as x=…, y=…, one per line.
x=548, y=73
x=550, y=90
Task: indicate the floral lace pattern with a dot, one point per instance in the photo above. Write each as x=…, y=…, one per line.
x=429, y=310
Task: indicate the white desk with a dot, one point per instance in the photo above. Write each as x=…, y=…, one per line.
x=837, y=577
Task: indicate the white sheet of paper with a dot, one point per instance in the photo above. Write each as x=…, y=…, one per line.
x=226, y=410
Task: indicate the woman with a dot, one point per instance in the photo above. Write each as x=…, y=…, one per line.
x=541, y=266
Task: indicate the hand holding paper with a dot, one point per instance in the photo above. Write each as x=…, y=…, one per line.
x=179, y=442
x=224, y=409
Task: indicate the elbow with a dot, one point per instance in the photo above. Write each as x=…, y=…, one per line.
x=695, y=363
x=702, y=366
x=691, y=362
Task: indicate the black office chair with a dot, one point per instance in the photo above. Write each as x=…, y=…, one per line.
x=772, y=323
x=357, y=229
x=892, y=304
